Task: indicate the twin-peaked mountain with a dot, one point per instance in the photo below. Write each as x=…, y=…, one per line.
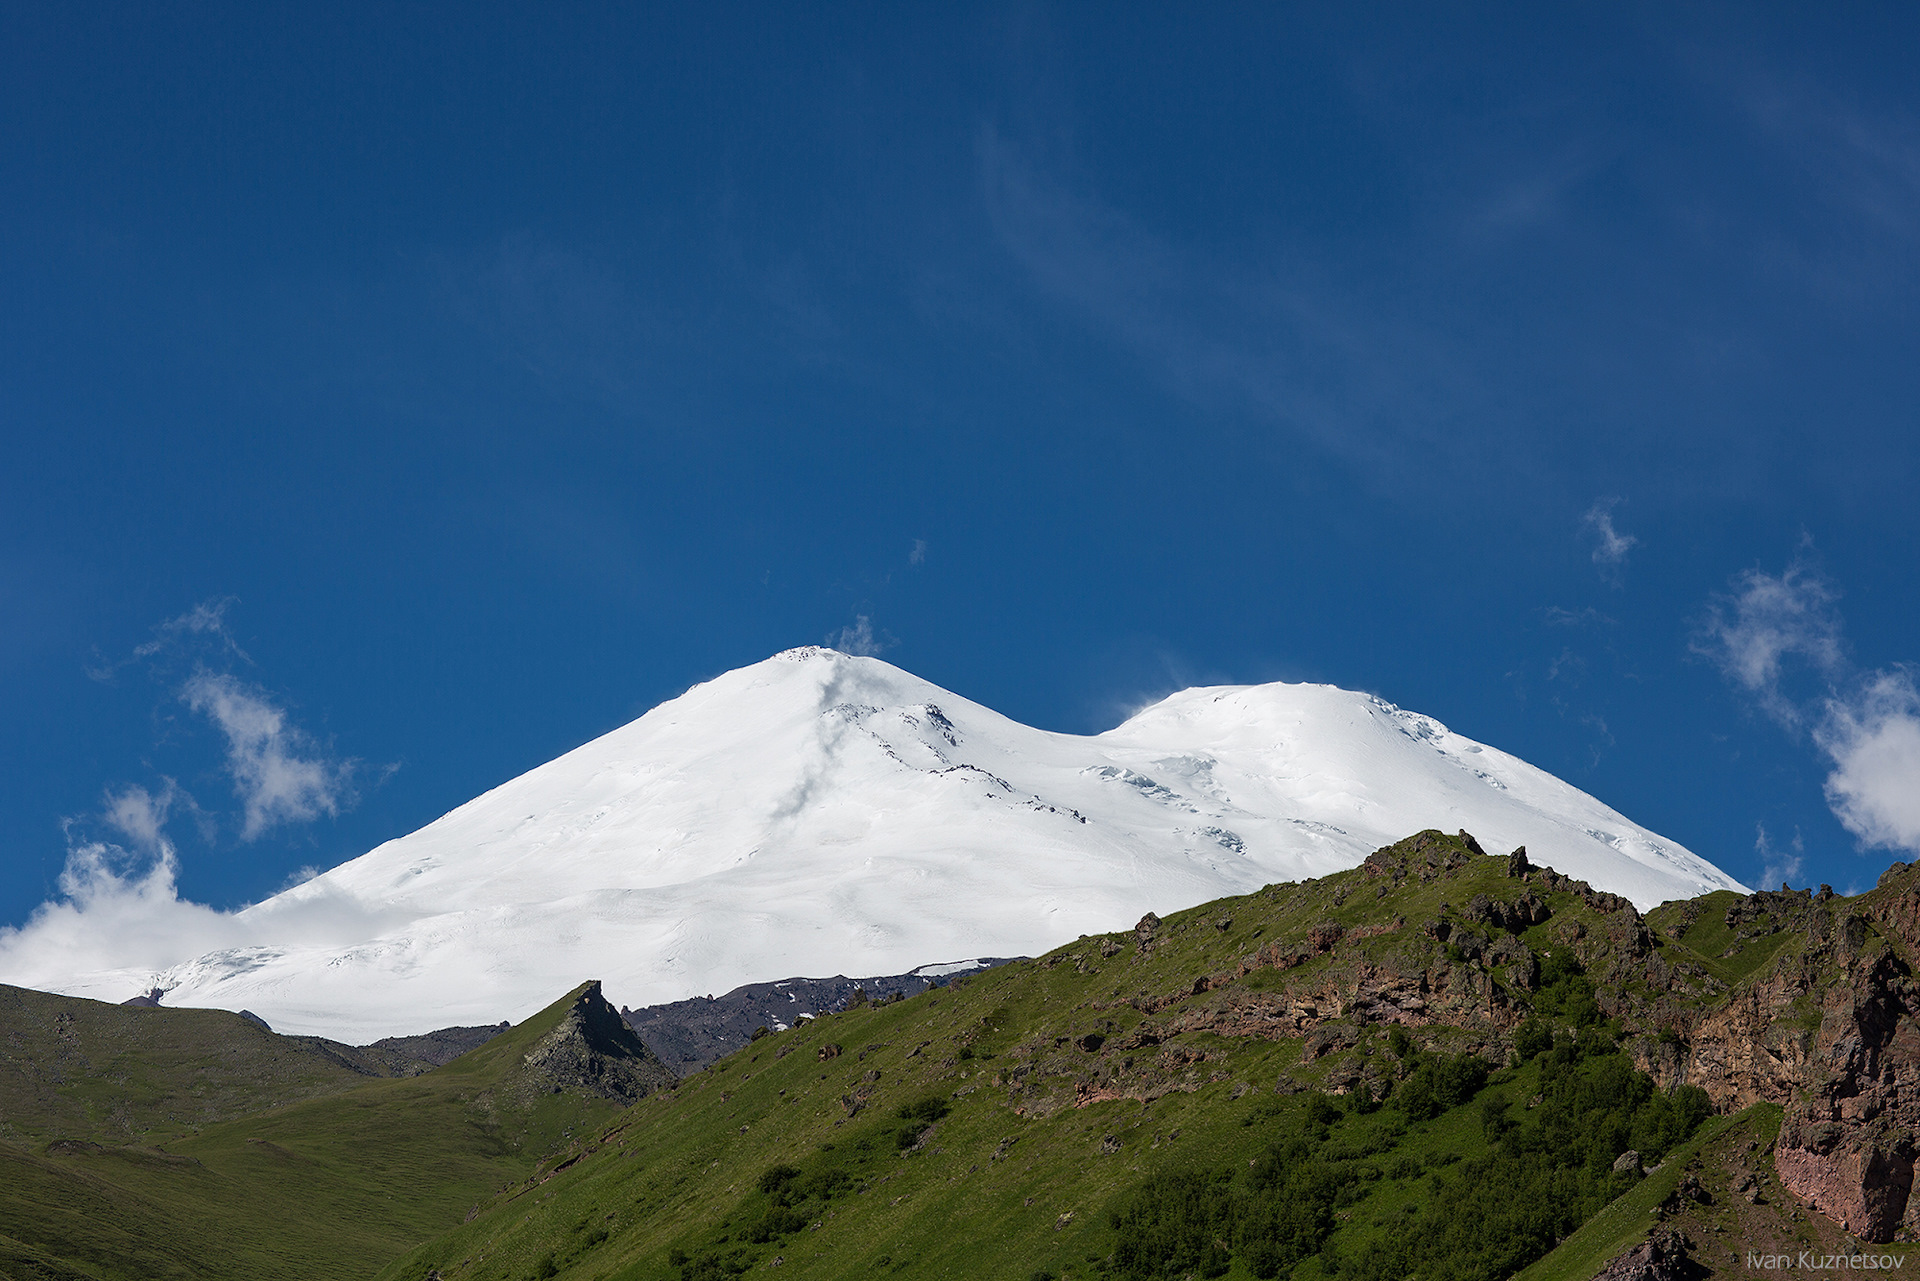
x=819, y=813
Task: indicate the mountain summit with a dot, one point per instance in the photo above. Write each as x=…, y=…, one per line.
x=819, y=812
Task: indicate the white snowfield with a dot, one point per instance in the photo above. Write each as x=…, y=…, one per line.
x=819, y=813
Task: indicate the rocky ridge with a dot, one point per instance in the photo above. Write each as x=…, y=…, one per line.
x=593, y=1051
x=1797, y=998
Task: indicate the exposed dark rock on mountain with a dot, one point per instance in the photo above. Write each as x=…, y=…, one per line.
x=1826, y=1024
x=433, y=1048
x=689, y=1034
x=592, y=1050
x=1817, y=1010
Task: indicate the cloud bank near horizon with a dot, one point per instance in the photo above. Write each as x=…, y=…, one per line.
x=118, y=911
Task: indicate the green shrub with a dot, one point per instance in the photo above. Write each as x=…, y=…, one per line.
x=1439, y=1083
x=918, y=1117
x=1534, y=1036
x=775, y=1180
x=1544, y=1171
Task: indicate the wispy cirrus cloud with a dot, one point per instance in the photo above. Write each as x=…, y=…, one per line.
x=1610, y=545
x=1560, y=616
x=1284, y=337
x=1863, y=162
x=202, y=628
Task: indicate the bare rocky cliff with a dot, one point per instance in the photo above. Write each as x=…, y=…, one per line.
x=1824, y=1021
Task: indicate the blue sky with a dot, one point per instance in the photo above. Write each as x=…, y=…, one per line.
x=393, y=401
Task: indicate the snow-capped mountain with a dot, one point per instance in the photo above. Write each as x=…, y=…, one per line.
x=819, y=813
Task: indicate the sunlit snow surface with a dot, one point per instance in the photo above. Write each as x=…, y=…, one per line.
x=818, y=813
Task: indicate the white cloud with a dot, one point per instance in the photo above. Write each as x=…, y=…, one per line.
x=859, y=638
x=1873, y=736
x=918, y=556
x=1766, y=619
x=140, y=816
x=118, y=920
x=118, y=910
x=119, y=923
x=1610, y=546
x=1868, y=724
x=279, y=775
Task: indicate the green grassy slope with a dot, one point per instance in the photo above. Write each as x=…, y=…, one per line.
x=332, y=1186
x=1071, y=1082
x=79, y=1069
x=1421, y=1067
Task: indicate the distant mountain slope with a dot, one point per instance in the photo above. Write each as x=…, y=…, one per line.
x=79, y=1069
x=690, y=1034
x=821, y=813
x=223, y=1179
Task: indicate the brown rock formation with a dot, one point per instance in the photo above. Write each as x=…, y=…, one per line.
x=1663, y=1256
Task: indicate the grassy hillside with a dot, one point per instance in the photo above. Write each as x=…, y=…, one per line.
x=1418, y=1087
x=330, y=1186
x=1435, y=1065
x=78, y=1069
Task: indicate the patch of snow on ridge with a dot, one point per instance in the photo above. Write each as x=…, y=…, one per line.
x=821, y=813
x=952, y=967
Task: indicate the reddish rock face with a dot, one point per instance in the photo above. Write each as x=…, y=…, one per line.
x=1848, y=1145
x=1865, y=1192
x=1851, y=1088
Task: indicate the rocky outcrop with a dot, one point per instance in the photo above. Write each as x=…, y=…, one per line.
x=1829, y=1029
x=1663, y=1256
x=412, y=1055
x=1805, y=1000
x=592, y=1051
x=1849, y=1142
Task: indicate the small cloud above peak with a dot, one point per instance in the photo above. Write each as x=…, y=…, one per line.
x=860, y=639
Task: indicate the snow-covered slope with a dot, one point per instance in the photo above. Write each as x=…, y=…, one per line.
x=820, y=813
